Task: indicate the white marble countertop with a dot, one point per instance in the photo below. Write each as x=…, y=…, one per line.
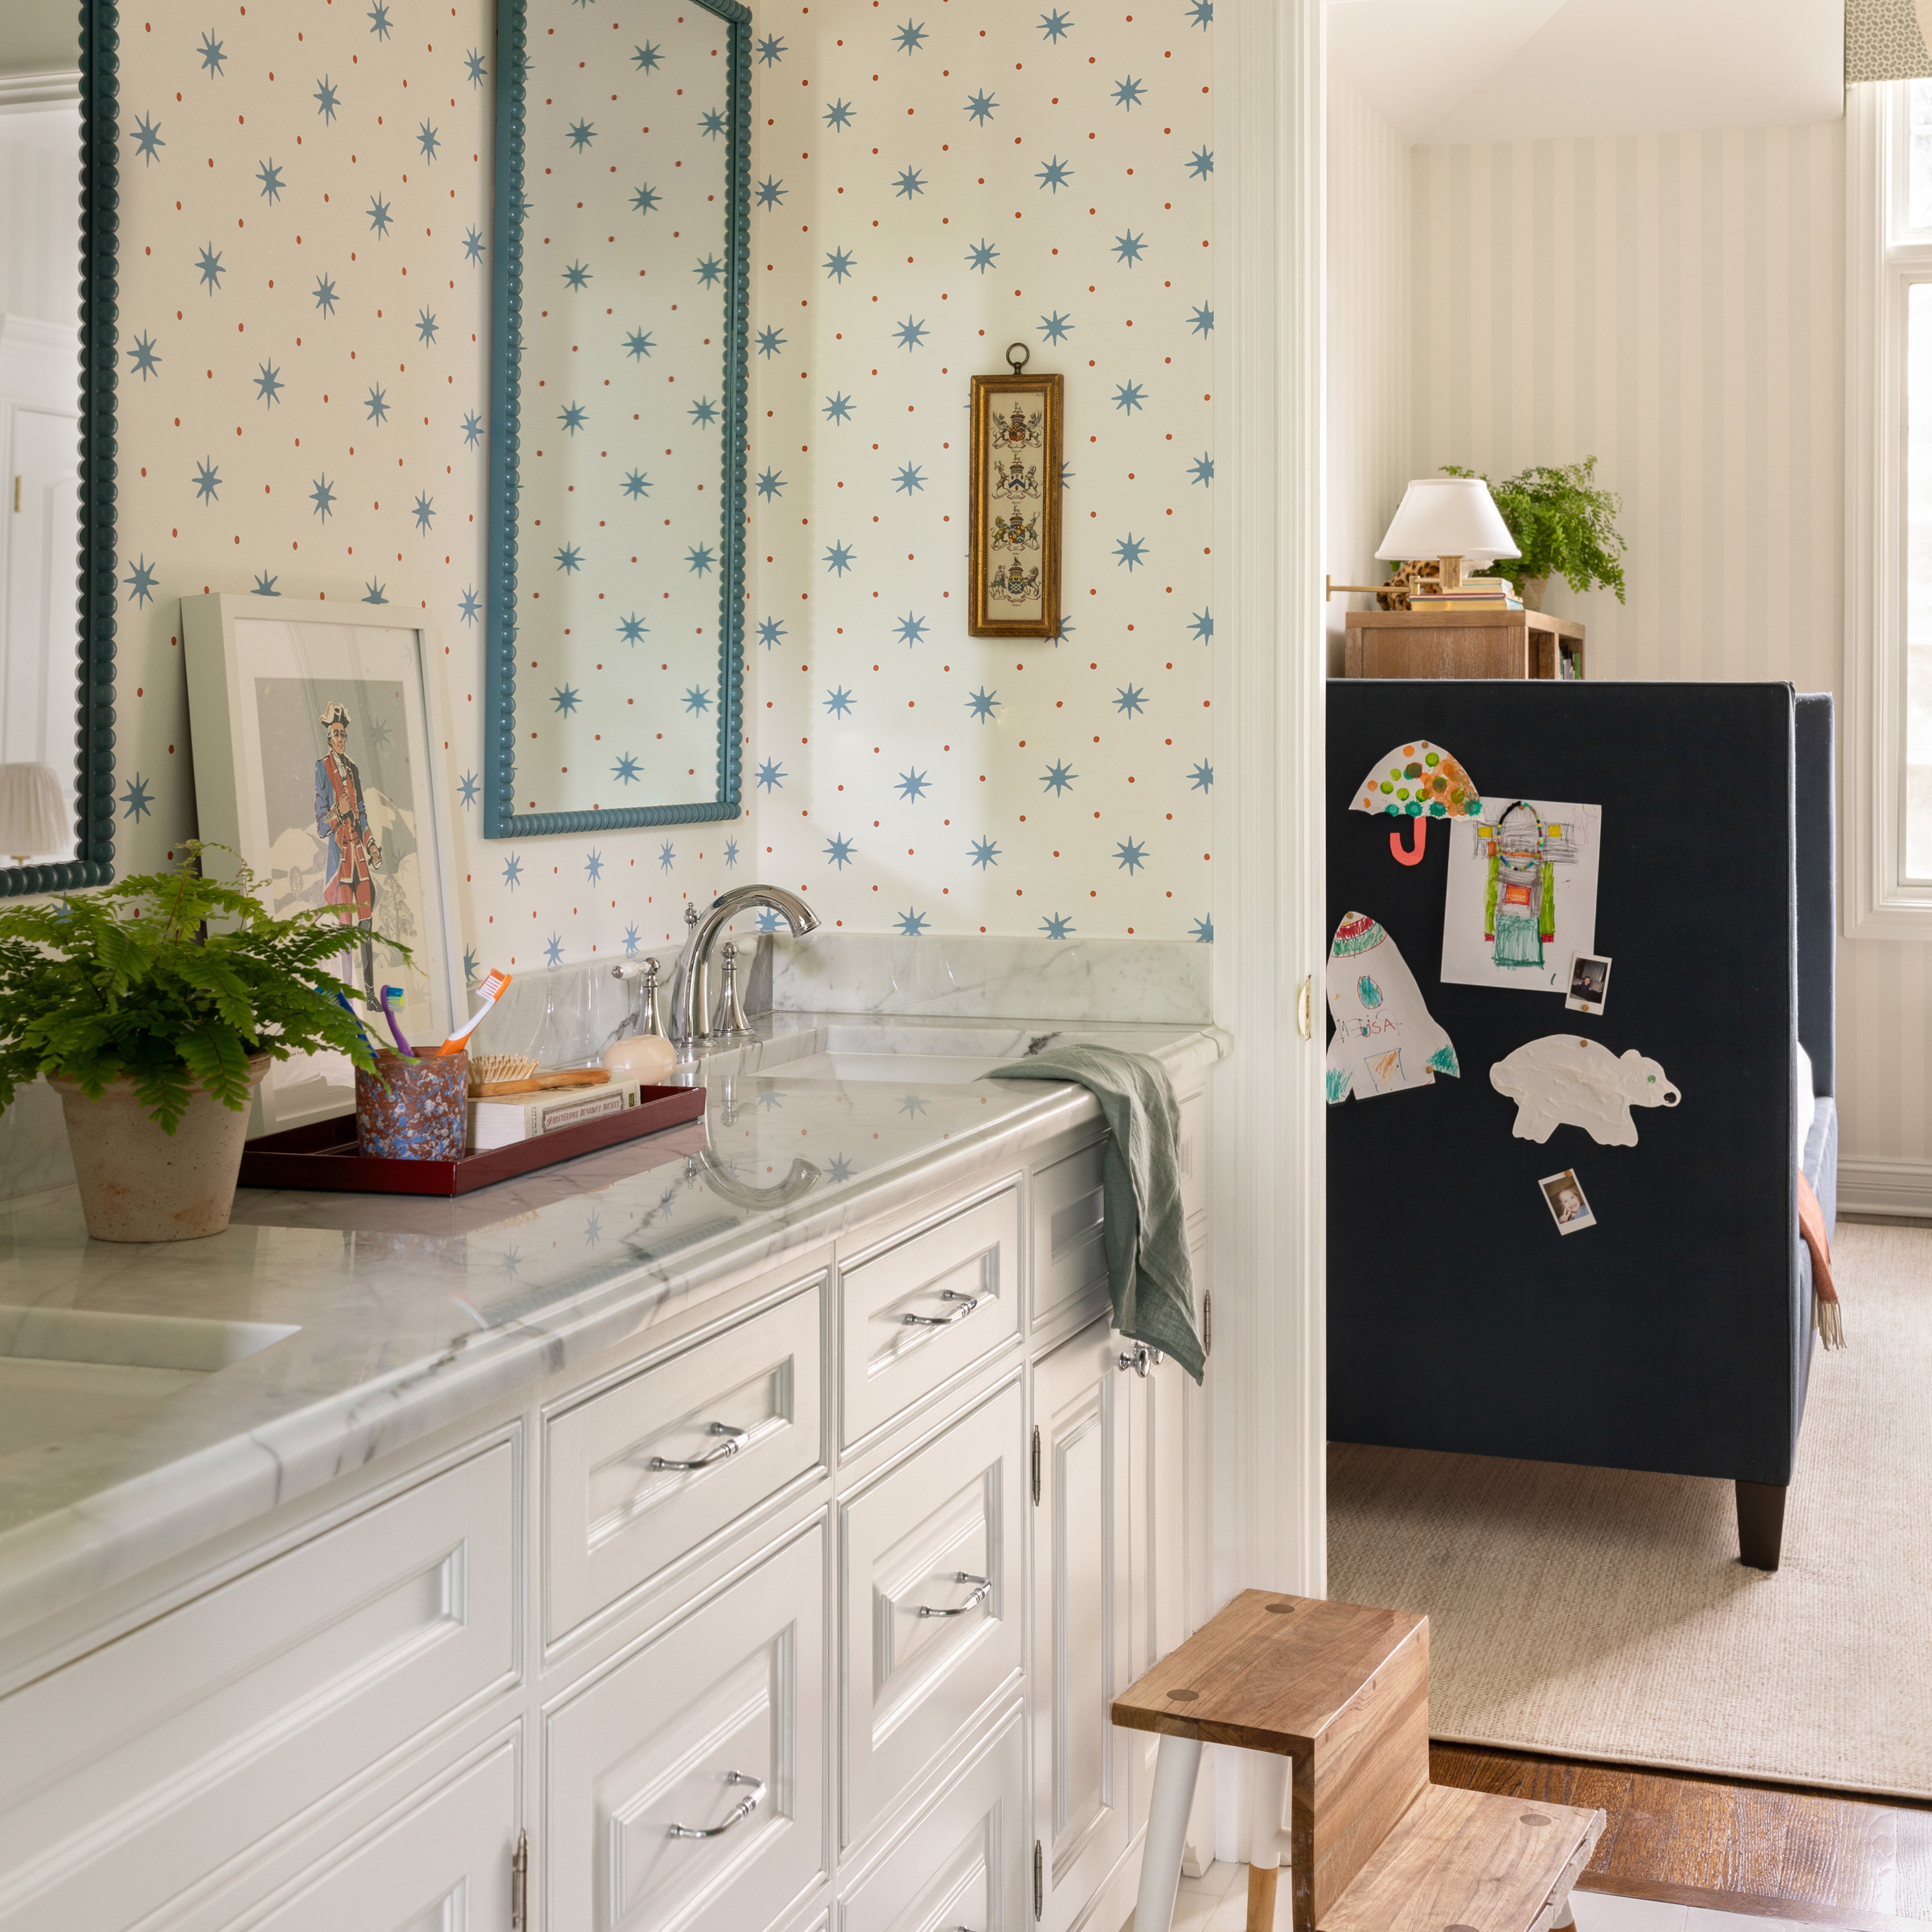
x=410, y=1312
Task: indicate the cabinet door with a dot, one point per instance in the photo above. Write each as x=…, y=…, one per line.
x=1157, y=1597
x=1082, y=1633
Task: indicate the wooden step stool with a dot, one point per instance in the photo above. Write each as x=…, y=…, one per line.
x=1334, y=1699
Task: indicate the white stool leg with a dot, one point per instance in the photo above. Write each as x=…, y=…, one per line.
x=1268, y=1793
x=1174, y=1771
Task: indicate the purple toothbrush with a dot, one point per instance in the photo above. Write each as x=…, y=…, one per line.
x=403, y=1046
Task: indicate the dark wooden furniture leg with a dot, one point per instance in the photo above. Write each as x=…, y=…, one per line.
x=1760, y=1523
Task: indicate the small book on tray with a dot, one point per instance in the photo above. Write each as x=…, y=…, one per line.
x=522, y=1116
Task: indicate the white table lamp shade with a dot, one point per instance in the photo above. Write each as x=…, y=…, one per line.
x=36, y=814
x=1447, y=516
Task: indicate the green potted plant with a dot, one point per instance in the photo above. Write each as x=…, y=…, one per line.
x=155, y=1007
x=1565, y=525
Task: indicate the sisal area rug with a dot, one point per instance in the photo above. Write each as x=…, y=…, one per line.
x=1600, y=1614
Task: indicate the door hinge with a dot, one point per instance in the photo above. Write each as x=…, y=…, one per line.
x=1206, y=1321
x=1036, y=1464
x=1039, y=1881
x=520, y=1883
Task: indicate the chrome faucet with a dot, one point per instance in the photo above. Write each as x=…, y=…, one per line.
x=690, y=1024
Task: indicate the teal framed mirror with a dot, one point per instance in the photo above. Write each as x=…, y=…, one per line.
x=614, y=680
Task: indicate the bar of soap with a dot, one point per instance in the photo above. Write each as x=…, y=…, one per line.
x=644, y=1056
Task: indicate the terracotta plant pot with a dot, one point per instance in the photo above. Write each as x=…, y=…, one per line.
x=140, y=1184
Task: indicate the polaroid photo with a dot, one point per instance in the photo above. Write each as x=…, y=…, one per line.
x=1589, y=983
x=1564, y=1193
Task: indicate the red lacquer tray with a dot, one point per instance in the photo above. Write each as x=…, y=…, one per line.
x=324, y=1153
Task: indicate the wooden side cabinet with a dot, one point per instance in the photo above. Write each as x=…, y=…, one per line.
x=1462, y=643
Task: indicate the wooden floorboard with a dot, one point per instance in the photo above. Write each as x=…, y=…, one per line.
x=1730, y=1843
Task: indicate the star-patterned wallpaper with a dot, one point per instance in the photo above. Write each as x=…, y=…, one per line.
x=304, y=330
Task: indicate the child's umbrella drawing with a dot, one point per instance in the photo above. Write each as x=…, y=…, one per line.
x=1521, y=902
x=1563, y=1080
x=1385, y=1038
x=1415, y=783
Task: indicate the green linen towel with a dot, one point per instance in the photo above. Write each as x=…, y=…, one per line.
x=1148, y=1270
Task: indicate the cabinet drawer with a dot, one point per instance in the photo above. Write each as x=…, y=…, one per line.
x=1070, y=1248
x=613, y=1519
x=932, y=1561
x=927, y=1310
x=171, y=1752
x=963, y=1863
x=727, y=1707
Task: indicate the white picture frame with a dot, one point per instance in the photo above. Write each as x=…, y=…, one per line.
x=261, y=672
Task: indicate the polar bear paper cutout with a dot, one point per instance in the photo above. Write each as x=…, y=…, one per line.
x=1385, y=1037
x=1563, y=1080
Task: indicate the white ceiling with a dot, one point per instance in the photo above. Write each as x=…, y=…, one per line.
x=1447, y=71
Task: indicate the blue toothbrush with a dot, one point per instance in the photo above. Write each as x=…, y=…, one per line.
x=342, y=1001
x=402, y=1045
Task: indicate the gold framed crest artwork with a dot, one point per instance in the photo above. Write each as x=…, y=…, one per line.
x=1014, y=558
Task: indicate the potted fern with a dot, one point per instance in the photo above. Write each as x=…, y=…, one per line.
x=1564, y=524
x=155, y=1007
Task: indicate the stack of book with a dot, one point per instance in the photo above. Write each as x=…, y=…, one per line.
x=1475, y=593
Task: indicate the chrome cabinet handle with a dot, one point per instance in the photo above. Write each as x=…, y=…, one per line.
x=1143, y=1359
x=740, y=1812
x=967, y=1302
x=983, y=1585
x=736, y=1439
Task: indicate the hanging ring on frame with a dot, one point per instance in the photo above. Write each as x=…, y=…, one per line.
x=1025, y=356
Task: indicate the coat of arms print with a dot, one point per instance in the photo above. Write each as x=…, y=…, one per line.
x=1014, y=563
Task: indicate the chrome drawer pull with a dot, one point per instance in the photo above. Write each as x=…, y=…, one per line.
x=1142, y=1359
x=742, y=1810
x=737, y=1439
x=983, y=1585
x=967, y=1302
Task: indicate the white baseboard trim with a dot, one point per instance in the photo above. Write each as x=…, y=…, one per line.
x=1902, y=1187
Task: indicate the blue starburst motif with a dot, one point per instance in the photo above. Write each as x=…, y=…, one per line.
x=839, y=264
x=327, y=98
x=379, y=214
x=1054, y=25
x=566, y=699
x=838, y=852
x=771, y=483
x=909, y=335
x=1204, y=930
x=1131, y=855
x=323, y=497
x=146, y=362
x=632, y=627
x=1201, y=13
x=910, y=629
x=467, y=787
x=572, y=418
x=377, y=404
x=264, y=584
x=708, y=270
x=424, y=511
x=637, y=484
x=770, y=341
x=667, y=856
x=593, y=1232
x=767, y=921
x=982, y=255
x=909, y=37
x=839, y=557
x=1131, y=550
x=209, y=264
x=697, y=700
x=1200, y=163
x=1129, y=396
x=512, y=1261
x=908, y=182
x=513, y=871
x=470, y=963
x=426, y=327
x=838, y=1169
x=577, y=275
x=1055, y=926
x=698, y=559
x=912, y=924
x=207, y=480
x=908, y=478
x=569, y=560
x=838, y=115
x=912, y=786
x=1201, y=322
x=472, y=245
x=647, y=56
x=582, y=134
x=1059, y=778
x=637, y=344
x=428, y=140
x=911, y=1103
x=379, y=21
x=1203, y=626
x=1055, y=175
x=1056, y=327
x=325, y=295
x=770, y=192
x=1066, y=483
x=553, y=950
x=472, y=430
x=470, y=606
x=1202, y=469
x=1129, y=92
x=1130, y=699
x=625, y=771
x=1201, y=778
x=372, y=592
x=838, y=408
x=771, y=49
x=730, y=851
x=137, y=798
x=475, y=67
x=212, y=56
x=982, y=107
x=631, y=937
x=983, y=704
x=983, y=853
x=147, y=142
x=645, y=199
x=270, y=176
x=704, y=413
x=1130, y=248
x=771, y=632
x=839, y=702
x=770, y=775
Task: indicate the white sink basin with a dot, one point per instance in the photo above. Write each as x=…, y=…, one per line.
x=63, y=1371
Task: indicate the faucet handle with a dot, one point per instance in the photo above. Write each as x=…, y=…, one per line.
x=729, y=1022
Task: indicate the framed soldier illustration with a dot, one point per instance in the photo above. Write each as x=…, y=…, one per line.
x=1014, y=546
